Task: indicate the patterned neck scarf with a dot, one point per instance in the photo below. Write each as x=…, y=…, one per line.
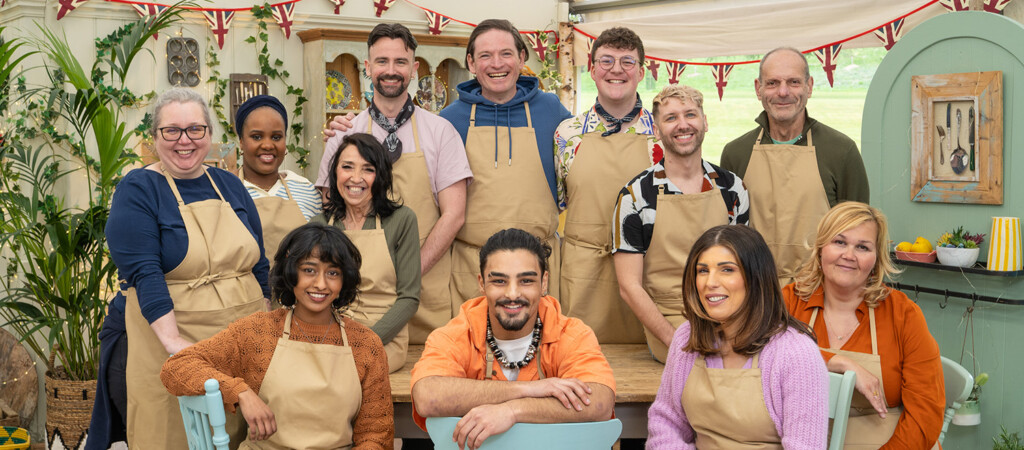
x=616, y=124
x=391, y=142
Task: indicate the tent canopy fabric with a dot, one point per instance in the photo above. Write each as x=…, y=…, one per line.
x=688, y=30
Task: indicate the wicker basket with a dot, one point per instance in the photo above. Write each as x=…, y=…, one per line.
x=68, y=409
x=14, y=438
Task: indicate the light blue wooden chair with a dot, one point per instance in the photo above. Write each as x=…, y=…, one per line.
x=840, y=395
x=204, y=419
x=959, y=383
x=563, y=436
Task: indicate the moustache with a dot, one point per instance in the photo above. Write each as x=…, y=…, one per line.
x=516, y=302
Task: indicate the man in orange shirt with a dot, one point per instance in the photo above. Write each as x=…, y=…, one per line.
x=511, y=356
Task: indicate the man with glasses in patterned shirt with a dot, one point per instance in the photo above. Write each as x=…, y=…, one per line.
x=597, y=152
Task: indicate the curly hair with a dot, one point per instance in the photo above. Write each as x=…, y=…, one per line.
x=324, y=242
x=619, y=38
x=842, y=217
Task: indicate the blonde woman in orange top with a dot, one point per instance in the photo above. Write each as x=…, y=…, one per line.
x=867, y=327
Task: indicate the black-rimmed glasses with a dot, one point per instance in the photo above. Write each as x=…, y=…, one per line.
x=607, y=62
x=194, y=132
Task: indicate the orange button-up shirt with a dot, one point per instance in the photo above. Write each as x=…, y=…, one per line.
x=911, y=368
x=568, y=349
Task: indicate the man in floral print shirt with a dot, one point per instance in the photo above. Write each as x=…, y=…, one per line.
x=604, y=147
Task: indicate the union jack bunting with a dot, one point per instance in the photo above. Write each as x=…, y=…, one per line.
x=827, y=56
x=653, y=66
x=995, y=6
x=382, y=5
x=539, y=46
x=283, y=14
x=956, y=5
x=675, y=69
x=67, y=6
x=219, y=21
x=721, y=73
x=890, y=33
x=436, y=22
x=337, y=5
x=149, y=10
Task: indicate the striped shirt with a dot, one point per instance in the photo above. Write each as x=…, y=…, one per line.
x=635, y=227
x=303, y=192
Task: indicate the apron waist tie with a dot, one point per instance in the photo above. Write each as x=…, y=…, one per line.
x=602, y=250
x=206, y=279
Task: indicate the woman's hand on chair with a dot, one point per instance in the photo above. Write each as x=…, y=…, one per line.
x=867, y=384
x=258, y=415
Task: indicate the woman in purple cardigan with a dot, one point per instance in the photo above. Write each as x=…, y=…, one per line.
x=742, y=371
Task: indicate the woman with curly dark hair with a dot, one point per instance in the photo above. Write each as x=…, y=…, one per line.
x=284, y=367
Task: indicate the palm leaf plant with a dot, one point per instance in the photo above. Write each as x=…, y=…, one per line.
x=59, y=272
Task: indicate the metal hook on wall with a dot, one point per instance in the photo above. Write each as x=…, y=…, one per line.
x=945, y=300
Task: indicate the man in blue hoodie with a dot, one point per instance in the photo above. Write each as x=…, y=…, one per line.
x=508, y=125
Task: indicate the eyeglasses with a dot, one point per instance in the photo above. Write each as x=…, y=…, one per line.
x=607, y=62
x=194, y=132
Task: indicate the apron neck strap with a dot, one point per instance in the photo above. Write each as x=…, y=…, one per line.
x=760, y=137
x=472, y=116
x=288, y=323
x=285, y=184
x=174, y=186
x=871, y=323
x=529, y=119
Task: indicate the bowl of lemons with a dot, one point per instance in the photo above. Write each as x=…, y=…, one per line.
x=920, y=250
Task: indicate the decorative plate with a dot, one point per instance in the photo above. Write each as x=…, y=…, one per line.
x=432, y=94
x=339, y=90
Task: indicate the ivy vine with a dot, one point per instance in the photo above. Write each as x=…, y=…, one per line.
x=549, y=74
x=220, y=88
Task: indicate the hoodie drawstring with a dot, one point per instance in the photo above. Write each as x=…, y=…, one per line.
x=508, y=128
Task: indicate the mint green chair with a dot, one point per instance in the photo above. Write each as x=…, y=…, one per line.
x=959, y=383
x=204, y=418
x=840, y=395
x=563, y=436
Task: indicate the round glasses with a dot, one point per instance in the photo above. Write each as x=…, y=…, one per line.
x=607, y=62
x=194, y=132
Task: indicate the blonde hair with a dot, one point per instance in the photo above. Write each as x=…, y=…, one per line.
x=842, y=217
x=679, y=92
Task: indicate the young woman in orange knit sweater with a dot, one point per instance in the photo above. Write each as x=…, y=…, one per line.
x=296, y=371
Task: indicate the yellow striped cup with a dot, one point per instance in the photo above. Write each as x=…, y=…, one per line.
x=1004, y=252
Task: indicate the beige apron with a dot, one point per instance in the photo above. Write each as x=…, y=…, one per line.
x=278, y=216
x=866, y=429
x=412, y=185
x=506, y=193
x=378, y=289
x=589, y=289
x=308, y=386
x=787, y=201
x=213, y=286
x=687, y=217
x=726, y=408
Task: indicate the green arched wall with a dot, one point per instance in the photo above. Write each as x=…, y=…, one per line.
x=955, y=43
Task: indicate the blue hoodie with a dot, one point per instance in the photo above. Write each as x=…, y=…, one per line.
x=546, y=113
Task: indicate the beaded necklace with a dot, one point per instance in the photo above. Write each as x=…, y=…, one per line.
x=530, y=352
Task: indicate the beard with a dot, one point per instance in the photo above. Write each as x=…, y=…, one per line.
x=513, y=323
x=391, y=92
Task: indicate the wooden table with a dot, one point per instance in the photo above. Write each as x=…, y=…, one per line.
x=637, y=377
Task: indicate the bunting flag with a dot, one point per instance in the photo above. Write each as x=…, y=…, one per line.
x=67, y=6
x=995, y=6
x=283, y=14
x=337, y=5
x=675, y=69
x=827, y=56
x=890, y=33
x=721, y=72
x=219, y=21
x=436, y=22
x=956, y=5
x=653, y=66
x=380, y=6
x=149, y=10
x=590, y=46
x=539, y=46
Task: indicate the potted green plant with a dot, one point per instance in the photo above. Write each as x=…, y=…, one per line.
x=1007, y=440
x=959, y=248
x=969, y=413
x=59, y=276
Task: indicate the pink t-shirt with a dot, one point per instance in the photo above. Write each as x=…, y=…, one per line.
x=441, y=144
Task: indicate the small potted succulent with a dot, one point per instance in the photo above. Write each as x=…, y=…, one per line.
x=969, y=413
x=959, y=248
